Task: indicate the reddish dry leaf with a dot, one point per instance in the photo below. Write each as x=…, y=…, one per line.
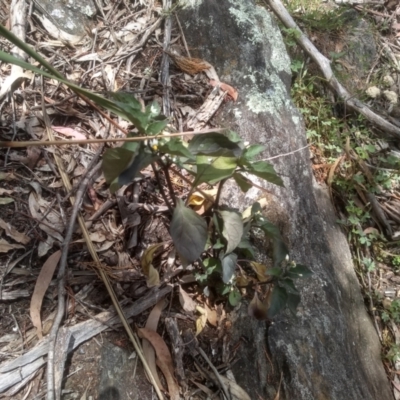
x=42, y=283
x=70, y=132
x=164, y=359
x=148, y=350
x=232, y=92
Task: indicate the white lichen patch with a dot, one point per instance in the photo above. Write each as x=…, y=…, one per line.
x=373, y=92
x=391, y=96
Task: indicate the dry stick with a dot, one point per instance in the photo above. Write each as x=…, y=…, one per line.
x=131, y=139
x=61, y=283
x=325, y=67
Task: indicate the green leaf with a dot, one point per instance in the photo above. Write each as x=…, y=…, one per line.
x=175, y=147
x=228, y=267
x=299, y=271
x=234, y=137
x=126, y=99
x=279, y=251
x=252, y=151
x=153, y=110
x=264, y=170
x=274, y=272
x=232, y=229
x=288, y=284
x=234, y=297
x=268, y=228
x=131, y=146
x=244, y=183
x=142, y=160
x=292, y=302
x=115, y=161
x=279, y=299
x=213, y=144
x=212, y=264
x=188, y=231
x=256, y=208
x=213, y=169
x=246, y=248
x=156, y=127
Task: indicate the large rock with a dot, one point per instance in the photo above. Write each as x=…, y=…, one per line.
x=330, y=351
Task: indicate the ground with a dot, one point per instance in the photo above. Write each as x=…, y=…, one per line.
x=35, y=211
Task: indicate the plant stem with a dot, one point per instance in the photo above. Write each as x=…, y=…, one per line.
x=159, y=183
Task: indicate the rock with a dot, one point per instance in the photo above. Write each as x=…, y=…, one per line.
x=330, y=350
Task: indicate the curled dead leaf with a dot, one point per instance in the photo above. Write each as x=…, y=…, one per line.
x=260, y=270
x=231, y=91
x=164, y=359
x=257, y=308
x=202, y=320
x=186, y=301
x=42, y=284
x=153, y=278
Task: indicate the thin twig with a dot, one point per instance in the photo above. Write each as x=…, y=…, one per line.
x=110, y=140
x=61, y=281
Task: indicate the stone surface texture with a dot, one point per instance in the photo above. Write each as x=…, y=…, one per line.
x=330, y=350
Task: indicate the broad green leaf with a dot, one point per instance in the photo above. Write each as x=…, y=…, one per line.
x=126, y=98
x=115, y=161
x=279, y=251
x=292, y=302
x=256, y=208
x=268, y=228
x=232, y=229
x=188, y=231
x=228, y=267
x=299, y=271
x=176, y=148
x=234, y=297
x=288, y=284
x=156, y=127
x=213, y=144
x=274, y=272
x=264, y=170
x=213, y=169
x=244, y=183
x=234, y=137
x=153, y=109
x=142, y=160
x=131, y=146
x=279, y=299
x=246, y=248
x=212, y=265
x=251, y=151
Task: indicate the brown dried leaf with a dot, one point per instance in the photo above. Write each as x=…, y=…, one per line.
x=69, y=132
x=186, y=301
x=153, y=278
x=212, y=316
x=260, y=271
x=164, y=360
x=42, y=283
x=202, y=320
x=231, y=91
x=148, y=350
x=13, y=233
x=234, y=389
x=257, y=308
x=5, y=246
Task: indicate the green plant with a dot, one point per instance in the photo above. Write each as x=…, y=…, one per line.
x=392, y=312
x=210, y=159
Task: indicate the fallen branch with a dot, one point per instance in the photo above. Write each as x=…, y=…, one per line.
x=14, y=371
x=325, y=67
